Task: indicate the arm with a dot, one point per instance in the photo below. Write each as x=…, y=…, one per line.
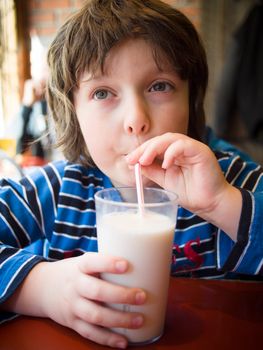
x=230, y=195
x=70, y=292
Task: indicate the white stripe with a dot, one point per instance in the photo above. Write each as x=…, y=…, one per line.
x=62, y=251
x=193, y=226
x=237, y=174
x=76, y=209
x=218, y=247
x=72, y=168
x=50, y=189
x=198, y=269
x=9, y=258
x=17, y=272
x=11, y=230
x=92, y=175
x=9, y=318
x=69, y=195
x=195, y=243
x=22, y=201
x=74, y=238
x=230, y=166
x=185, y=217
x=248, y=175
x=45, y=248
x=38, y=202
x=204, y=253
x=15, y=219
x=25, y=194
x=68, y=179
x=259, y=266
x=73, y=225
x=256, y=184
x=214, y=277
x=56, y=172
x=226, y=156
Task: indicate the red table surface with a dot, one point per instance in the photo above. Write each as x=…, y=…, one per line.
x=201, y=314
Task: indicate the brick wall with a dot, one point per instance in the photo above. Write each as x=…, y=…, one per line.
x=46, y=16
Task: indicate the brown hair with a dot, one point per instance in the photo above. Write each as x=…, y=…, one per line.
x=83, y=42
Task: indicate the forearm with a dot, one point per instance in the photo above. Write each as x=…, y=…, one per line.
x=29, y=296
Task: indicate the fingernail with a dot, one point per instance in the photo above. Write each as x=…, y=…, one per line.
x=137, y=321
x=121, y=265
x=140, y=297
x=121, y=345
x=164, y=164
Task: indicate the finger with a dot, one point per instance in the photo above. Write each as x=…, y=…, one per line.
x=100, y=335
x=155, y=173
x=104, y=316
x=183, y=152
x=90, y=263
x=91, y=287
x=173, y=152
x=152, y=149
x=133, y=157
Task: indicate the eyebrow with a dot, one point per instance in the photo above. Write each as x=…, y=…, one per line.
x=88, y=79
x=98, y=76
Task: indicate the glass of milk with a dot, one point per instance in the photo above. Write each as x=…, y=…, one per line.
x=145, y=239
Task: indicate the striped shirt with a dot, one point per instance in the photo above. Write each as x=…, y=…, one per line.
x=50, y=215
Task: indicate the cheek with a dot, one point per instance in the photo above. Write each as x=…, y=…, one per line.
x=98, y=140
x=94, y=140
x=90, y=134
x=176, y=120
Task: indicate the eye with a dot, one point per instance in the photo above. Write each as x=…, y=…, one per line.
x=101, y=94
x=161, y=86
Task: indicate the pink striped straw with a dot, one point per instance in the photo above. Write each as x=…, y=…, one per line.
x=139, y=187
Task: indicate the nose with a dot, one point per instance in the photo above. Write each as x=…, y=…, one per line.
x=137, y=119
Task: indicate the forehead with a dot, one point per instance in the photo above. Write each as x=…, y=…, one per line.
x=134, y=54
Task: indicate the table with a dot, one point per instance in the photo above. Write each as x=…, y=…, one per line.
x=201, y=314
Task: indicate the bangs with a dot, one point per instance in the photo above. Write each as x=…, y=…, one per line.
x=94, y=32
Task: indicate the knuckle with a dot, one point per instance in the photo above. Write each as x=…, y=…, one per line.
x=96, y=317
x=130, y=296
x=95, y=291
x=125, y=295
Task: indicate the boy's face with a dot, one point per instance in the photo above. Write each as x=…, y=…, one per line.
x=130, y=103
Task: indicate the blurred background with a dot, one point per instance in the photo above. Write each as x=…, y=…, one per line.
x=231, y=30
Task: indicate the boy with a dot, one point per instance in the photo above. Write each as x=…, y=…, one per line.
x=127, y=83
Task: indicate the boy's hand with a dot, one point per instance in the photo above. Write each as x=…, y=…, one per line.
x=182, y=165
x=189, y=168
x=71, y=293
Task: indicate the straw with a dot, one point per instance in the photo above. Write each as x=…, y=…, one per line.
x=139, y=187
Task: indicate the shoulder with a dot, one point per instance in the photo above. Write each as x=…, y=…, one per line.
x=239, y=169
x=223, y=148
x=78, y=175
x=64, y=172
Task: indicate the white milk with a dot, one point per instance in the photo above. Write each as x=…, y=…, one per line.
x=146, y=242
